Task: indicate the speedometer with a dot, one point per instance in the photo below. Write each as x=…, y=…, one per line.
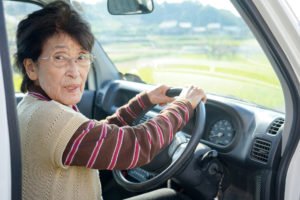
x=221, y=132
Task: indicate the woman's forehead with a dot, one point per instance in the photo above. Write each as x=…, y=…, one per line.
x=62, y=41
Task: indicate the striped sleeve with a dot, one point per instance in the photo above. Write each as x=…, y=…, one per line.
x=126, y=114
x=100, y=145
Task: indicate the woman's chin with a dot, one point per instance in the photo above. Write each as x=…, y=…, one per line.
x=71, y=99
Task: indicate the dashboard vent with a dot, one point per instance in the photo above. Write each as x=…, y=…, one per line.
x=261, y=150
x=275, y=126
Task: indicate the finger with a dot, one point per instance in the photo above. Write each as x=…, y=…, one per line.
x=191, y=88
x=203, y=95
x=168, y=99
x=204, y=99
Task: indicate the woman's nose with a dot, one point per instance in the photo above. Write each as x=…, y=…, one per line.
x=73, y=69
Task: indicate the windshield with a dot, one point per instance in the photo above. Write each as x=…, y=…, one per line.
x=205, y=43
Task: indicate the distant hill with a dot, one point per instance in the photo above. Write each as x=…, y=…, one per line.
x=208, y=17
x=166, y=19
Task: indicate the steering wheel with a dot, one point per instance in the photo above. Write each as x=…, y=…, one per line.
x=181, y=155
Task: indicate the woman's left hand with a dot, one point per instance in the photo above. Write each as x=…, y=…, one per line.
x=158, y=95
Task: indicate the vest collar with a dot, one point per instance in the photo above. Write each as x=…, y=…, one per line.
x=39, y=93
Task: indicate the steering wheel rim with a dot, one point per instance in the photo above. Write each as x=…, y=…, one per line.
x=200, y=115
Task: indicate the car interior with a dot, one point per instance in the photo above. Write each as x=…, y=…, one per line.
x=231, y=149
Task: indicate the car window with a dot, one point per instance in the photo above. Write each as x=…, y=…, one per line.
x=185, y=42
x=14, y=12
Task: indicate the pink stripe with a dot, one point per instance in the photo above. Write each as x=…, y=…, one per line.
x=170, y=127
x=140, y=101
x=178, y=118
x=117, y=150
x=97, y=147
x=38, y=95
x=129, y=111
x=160, y=135
x=121, y=118
x=77, y=142
x=185, y=110
x=42, y=97
x=75, y=108
x=149, y=137
x=136, y=155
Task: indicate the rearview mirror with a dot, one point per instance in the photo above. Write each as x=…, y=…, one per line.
x=129, y=7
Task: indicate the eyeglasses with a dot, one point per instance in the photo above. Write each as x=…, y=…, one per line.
x=62, y=60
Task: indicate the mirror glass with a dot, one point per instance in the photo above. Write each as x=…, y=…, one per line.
x=129, y=7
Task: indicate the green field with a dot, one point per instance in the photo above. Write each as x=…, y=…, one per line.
x=254, y=86
x=245, y=76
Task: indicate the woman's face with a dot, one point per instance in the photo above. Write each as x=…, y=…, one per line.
x=61, y=72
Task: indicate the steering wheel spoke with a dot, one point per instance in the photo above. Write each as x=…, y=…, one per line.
x=140, y=174
x=179, y=139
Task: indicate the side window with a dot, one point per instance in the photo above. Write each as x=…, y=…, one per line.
x=14, y=12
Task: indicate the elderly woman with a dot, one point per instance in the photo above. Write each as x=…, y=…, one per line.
x=62, y=150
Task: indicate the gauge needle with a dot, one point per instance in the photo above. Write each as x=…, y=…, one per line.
x=220, y=134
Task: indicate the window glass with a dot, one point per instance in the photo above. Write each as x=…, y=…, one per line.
x=185, y=42
x=14, y=12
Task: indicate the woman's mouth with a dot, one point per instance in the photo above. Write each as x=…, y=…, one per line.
x=73, y=88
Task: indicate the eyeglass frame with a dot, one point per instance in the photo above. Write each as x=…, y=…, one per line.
x=69, y=59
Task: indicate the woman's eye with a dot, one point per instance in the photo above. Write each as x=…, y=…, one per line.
x=60, y=57
x=82, y=57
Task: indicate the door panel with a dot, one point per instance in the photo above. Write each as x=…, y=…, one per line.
x=12, y=169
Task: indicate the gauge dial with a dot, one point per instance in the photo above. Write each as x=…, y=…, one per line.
x=221, y=132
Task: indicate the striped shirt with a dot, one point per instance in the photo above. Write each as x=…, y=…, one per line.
x=114, y=143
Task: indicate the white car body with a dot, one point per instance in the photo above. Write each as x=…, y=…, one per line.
x=283, y=26
x=5, y=169
x=285, y=29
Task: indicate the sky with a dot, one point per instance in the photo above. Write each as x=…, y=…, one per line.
x=227, y=5
x=224, y=4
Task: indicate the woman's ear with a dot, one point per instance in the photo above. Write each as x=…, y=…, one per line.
x=31, y=69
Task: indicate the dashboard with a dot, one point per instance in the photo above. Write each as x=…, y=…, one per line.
x=240, y=144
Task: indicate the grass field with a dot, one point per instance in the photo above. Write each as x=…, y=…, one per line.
x=249, y=78
x=246, y=75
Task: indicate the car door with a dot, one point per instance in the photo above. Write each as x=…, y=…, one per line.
x=103, y=96
x=280, y=21
x=10, y=169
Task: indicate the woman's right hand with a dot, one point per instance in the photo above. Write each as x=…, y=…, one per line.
x=194, y=95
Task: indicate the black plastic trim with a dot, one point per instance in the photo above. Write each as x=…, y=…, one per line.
x=86, y=104
x=231, y=115
x=15, y=148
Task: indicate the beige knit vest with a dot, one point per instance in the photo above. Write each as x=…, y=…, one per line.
x=45, y=128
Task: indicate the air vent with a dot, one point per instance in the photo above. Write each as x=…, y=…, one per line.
x=275, y=126
x=261, y=150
